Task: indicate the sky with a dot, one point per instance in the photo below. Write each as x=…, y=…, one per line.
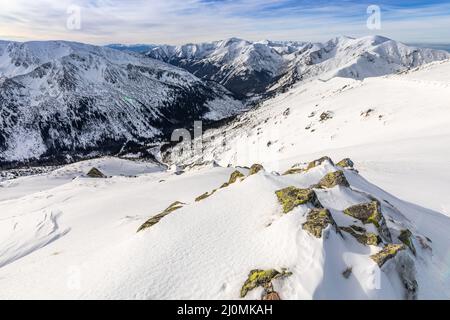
x=191, y=21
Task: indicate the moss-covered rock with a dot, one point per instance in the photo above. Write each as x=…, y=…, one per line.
x=333, y=179
x=318, y=162
x=262, y=278
x=406, y=237
x=362, y=236
x=318, y=220
x=95, y=173
x=155, y=219
x=254, y=169
x=346, y=163
x=292, y=197
x=370, y=213
x=387, y=253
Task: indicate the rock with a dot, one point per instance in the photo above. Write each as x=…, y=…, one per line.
x=272, y=296
x=262, y=278
x=406, y=237
x=155, y=219
x=346, y=163
x=318, y=162
x=347, y=272
x=407, y=272
x=370, y=213
x=292, y=197
x=362, y=236
x=318, y=220
x=327, y=115
x=235, y=176
x=95, y=173
x=293, y=171
x=333, y=179
x=204, y=196
x=254, y=169
x=387, y=253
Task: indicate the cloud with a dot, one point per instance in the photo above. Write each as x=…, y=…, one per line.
x=181, y=21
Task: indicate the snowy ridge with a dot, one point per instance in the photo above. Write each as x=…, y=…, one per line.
x=63, y=98
x=237, y=63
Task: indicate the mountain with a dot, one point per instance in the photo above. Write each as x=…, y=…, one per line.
x=247, y=68
x=61, y=99
x=139, y=48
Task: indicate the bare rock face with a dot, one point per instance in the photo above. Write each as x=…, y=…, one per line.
x=317, y=221
x=362, y=236
x=318, y=162
x=292, y=197
x=371, y=213
x=333, y=179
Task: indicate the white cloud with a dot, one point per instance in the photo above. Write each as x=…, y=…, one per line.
x=180, y=21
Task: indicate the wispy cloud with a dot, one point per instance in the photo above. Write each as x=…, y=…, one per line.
x=180, y=21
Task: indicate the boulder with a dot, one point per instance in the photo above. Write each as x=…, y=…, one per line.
x=333, y=179
x=95, y=173
x=347, y=272
x=235, y=176
x=387, y=253
x=362, y=236
x=370, y=213
x=318, y=162
x=292, y=197
x=254, y=169
x=293, y=171
x=346, y=163
x=318, y=220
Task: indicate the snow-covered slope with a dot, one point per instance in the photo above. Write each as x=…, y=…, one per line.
x=247, y=68
x=79, y=239
x=59, y=98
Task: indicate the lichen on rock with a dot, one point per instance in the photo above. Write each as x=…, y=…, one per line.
x=155, y=219
x=293, y=171
x=95, y=173
x=254, y=169
x=370, y=213
x=333, y=179
x=346, y=163
x=235, y=176
x=362, y=236
x=292, y=197
x=406, y=237
x=318, y=220
x=262, y=278
x=205, y=195
x=387, y=253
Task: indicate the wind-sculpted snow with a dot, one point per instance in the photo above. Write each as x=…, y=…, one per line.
x=208, y=249
x=61, y=99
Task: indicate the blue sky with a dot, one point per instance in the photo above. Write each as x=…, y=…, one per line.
x=182, y=21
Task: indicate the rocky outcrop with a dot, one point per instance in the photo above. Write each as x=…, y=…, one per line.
x=387, y=253
x=333, y=179
x=292, y=197
x=154, y=220
x=362, y=236
x=95, y=173
x=318, y=220
x=235, y=176
x=293, y=171
x=370, y=213
x=263, y=278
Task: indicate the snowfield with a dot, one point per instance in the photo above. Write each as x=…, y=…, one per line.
x=260, y=212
